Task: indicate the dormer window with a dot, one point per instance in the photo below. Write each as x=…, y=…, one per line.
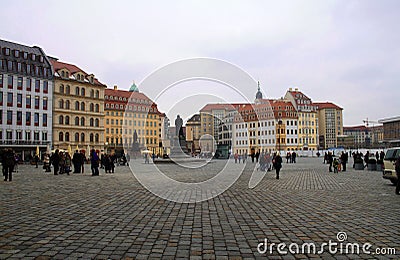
x=7, y=51
x=33, y=56
x=62, y=74
x=41, y=59
x=67, y=74
x=16, y=53
x=78, y=77
x=25, y=55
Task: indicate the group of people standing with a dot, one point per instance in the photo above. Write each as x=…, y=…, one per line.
x=266, y=161
x=339, y=164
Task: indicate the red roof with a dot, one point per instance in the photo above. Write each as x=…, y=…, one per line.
x=58, y=65
x=325, y=105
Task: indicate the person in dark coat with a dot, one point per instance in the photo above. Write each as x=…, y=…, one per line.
x=257, y=156
x=330, y=161
x=278, y=165
x=83, y=158
x=8, y=161
x=76, y=160
x=94, y=163
x=294, y=157
x=55, y=160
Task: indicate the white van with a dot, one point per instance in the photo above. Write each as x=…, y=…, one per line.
x=389, y=161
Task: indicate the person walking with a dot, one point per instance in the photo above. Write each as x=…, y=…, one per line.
x=397, y=167
x=278, y=165
x=55, y=160
x=330, y=161
x=94, y=163
x=236, y=156
x=294, y=157
x=343, y=159
x=8, y=162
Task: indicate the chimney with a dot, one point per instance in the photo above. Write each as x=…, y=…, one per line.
x=296, y=89
x=115, y=87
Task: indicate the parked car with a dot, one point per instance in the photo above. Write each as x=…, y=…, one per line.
x=389, y=171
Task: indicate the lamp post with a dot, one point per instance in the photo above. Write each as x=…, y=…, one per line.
x=279, y=134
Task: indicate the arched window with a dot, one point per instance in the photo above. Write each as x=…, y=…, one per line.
x=67, y=104
x=82, y=137
x=82, y=92
x=62, y=74
x=61, y=89
x=76, y=105
x=96, y=123
x=77, y=91
x=96, y=138
x=61, y=120
x=97, y=94
x=83, y=106
x=97, y=108
x=82, y=121
x=61, y=103
x=68, y=90
x=76, y=120
x=92, y=93
x=67, y=120
x=91, y=122
x=67, y=137
x=91, y=107
x=77, y=137
x=61, y=137
x=91, y=138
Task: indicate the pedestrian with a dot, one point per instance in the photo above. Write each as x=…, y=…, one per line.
x=146, y=158
x=335, y=166
x=294, y=157
x=67, y=163
x=252, y=157
x=36, y=160
x=257, y=156
x=330, y=161
x=8, y=161
x=76, y=160
x=55, y=160
x=236, y=156
x=397, y=167
x=46, y=163
x=268, y=162
x=288, y=157
x=343, y=159
x=278, y=165
x=325, y=157
x=94, y=163
x=128, y=159
x=82, y=159
x=240, y=157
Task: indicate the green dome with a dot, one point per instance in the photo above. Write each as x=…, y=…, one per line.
x=133, y=88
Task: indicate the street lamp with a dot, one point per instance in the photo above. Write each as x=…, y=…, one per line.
x=279, y=134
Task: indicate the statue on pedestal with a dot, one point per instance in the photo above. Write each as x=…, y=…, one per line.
x=178, y=127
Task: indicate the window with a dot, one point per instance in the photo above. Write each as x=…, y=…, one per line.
x=45, y=103
x=28, y=69
x=83, y=106
x=97, y=94
x=96, y=138
x=77, y=91
x=9, y=99
x=61, y=120
x=92, y=93
x=28, y=84
x=45, y=86
x=82, y=92
x=10, y=81
x=19, y=83
x=9, y=135
x=44, y=136
x=1, y=78
x=37, y=85
x=1, y=98
x=36, y=102
x=82, y=137
x=91, y=138
x=96, y=122
x=19, y=100
x=68, y=90
x=91, y=107
x=91, y=122
x=28, y=118
x=44, y=119
x=61, y=103
x=76, y=105
x=9, y=117
x=61, y=137
x=67, y=137
x=76, y=137
x=36, y=119
x=19, y=117
x=76, y=120
x=67, y=120
x=82, y=121
x=67, y=104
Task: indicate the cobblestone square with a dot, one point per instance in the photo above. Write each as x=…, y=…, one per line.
x=112, y=216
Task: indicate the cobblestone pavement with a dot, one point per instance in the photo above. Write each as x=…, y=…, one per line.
x=112, y=216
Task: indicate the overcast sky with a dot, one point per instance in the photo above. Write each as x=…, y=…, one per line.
x=346, y=52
